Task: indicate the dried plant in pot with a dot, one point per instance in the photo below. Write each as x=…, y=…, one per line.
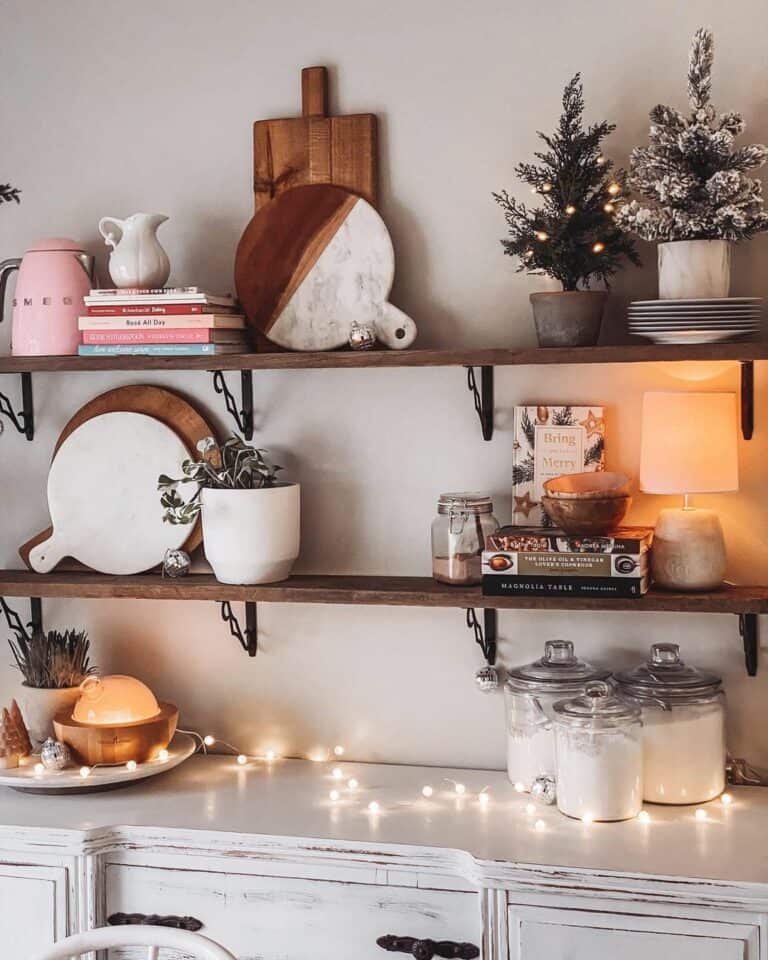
x=573, y=237
x=250, y=519
x=53, y=665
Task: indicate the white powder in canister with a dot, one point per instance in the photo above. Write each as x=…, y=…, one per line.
x=684, y=753
x=530, y=753
x=599, y=775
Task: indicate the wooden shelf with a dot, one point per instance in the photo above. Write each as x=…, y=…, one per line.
x=500, y=357
x=382, y=591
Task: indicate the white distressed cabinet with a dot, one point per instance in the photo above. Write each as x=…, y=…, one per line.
x=276, y=870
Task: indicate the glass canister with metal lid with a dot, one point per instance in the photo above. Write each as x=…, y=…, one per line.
x=599, y=755
x=530, y=693
x=459, y=530
x=683, y=727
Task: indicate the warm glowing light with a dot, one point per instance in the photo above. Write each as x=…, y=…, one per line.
x=373, y=807
x=598, y=247
x=570, y=209
x=608, y=207
x=270, y=755
x=530, y=809
x=85, y=772
x=131, y=765
x=318, y=756
x=542, y=236
x=208, y=740
x=39, y=768
x=242, y=759
x=338, y=750
x=460, y=789
x=352, y=784
x=534, y=190
x=701, y=814
x=114, y=700
x=163, y=755
x=726, y=799
x=484, y=799
x=540, y=826
x=337, y=773
x=587, y=818
x=546, y=187
x=644, y=816
x=334, y=795
x=519, y=787
x=600, y=160
x=614, y=189
x=427, y=791
x=528, y=254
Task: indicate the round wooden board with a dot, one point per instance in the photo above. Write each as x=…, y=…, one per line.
x=164, y=405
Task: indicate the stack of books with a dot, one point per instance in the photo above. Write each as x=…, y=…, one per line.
x=170, y=322
x=538, y=562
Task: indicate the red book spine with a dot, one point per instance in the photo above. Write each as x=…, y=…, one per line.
x=198, y=335
x=143, y=310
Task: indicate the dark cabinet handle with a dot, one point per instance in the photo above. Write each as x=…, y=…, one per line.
x=153, y=920
x=426, y=949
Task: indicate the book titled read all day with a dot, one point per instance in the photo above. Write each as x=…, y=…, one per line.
x=550, y=441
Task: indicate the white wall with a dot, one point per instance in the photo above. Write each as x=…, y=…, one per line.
x=109, y=108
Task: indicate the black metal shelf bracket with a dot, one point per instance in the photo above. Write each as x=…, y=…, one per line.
x=747, y=398
x=483, y=398
x=24, y=419
x=748, y=630
x=243, y=416
x=485, y=636
x=248, y=638
x=34, y=625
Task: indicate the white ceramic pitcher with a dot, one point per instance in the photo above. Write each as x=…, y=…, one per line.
x=137, y=259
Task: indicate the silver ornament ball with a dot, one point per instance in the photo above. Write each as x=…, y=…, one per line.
x=362, y=337
x=544, y=790
x=487, y=679
x=54, y=755
x=176, y=563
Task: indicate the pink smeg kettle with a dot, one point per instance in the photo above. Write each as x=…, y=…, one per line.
x=54, y=276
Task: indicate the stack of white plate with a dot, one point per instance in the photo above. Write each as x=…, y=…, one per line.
x=696, y=321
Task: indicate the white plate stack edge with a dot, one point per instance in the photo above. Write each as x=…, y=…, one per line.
x=696, y=321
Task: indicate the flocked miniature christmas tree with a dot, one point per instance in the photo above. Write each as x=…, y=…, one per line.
x=693, y=180
x=573, y=236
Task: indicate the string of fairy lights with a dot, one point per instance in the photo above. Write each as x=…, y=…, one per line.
x=346, y=787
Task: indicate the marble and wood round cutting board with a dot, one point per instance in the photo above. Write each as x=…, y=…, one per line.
x=103, y=499
x=164, y=405
x=314, y=261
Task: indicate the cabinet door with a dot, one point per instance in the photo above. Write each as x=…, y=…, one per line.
x=33, y=909
x=539, y=933
x=281, y=918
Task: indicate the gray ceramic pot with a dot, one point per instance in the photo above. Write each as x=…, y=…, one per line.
x=568, y=318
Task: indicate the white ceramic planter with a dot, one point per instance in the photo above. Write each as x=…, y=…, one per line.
x=251, y=536
x=39, y=706
x=694, y=269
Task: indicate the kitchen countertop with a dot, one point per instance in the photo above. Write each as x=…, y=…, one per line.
x=290, y=799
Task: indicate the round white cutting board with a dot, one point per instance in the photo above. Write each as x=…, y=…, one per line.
x=103, y=498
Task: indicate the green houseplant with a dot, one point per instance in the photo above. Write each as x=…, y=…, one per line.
x=250, y=519
x=572, y=236
x=53, y=665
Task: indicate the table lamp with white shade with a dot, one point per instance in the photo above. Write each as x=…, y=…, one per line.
x=688, y=446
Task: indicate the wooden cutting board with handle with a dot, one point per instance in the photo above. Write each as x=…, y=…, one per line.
x=315, y=148
x=164, y=405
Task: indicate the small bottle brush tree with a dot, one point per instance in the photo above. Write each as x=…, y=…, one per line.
x=573, y=236
x=693, y=181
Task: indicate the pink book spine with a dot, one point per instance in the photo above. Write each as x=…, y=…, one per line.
x=142, y=309
x=147, y=336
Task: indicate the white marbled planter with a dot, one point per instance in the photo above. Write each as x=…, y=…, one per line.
x=694, y=269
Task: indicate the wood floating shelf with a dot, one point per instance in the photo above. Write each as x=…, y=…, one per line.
x=344, y=359
x=744, y=601
x=486, y=360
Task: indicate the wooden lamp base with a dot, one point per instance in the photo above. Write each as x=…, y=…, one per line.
x=141, y=740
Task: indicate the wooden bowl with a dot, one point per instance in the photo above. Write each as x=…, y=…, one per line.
x=141, y=740
x=587, y=486
x=582, y=517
